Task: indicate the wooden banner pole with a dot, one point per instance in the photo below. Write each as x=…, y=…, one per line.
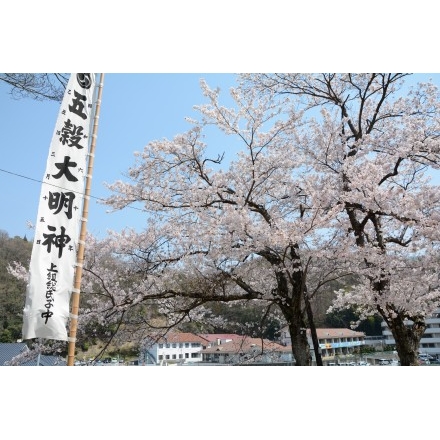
x=82, y=237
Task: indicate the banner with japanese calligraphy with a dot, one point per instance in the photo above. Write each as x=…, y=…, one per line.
x=53, y=259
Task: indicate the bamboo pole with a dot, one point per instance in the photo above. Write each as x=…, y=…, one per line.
x=82, y=237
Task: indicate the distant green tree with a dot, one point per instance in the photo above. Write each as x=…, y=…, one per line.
x=345, y=318
x=5, y=335
x=12, y=291
x=246, y=318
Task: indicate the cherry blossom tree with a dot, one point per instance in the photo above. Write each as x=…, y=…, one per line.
x=249, y=230
x=376, y=145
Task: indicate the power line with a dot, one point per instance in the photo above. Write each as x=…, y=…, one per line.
x=60, y=187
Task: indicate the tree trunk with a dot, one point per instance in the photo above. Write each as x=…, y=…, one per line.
x=289, y=294
x=298, y=335
x=407, y=338
x=313, y=333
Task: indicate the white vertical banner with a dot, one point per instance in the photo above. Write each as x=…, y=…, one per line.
x=53, y=260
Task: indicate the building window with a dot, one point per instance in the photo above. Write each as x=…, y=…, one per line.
x=160, y=357
x=181, y=345
x=160, y=345
x=180, y=356
x=168, y=345
x=174, y=345
x=174, y=356
x=186, y=344
x=167, y=356
x=194, y=355
x=195, y=344
x=186, y=355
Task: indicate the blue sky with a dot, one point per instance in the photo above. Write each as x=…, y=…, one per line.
x=136, y=109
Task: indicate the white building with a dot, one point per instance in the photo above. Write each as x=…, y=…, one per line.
x=430, y=342
x=175, y=348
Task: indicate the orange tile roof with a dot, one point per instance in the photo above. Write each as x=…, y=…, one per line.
x=222, y=336
x=246, y=344
x=324, y=333
x=182, y=337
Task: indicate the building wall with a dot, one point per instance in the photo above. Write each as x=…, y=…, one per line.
x=174, y=352
x=331, y=347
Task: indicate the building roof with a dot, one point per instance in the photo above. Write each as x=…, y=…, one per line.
x=324, y=333
x=214, y=337
x=183, y=337
x=10, y=350
x=246, y=344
